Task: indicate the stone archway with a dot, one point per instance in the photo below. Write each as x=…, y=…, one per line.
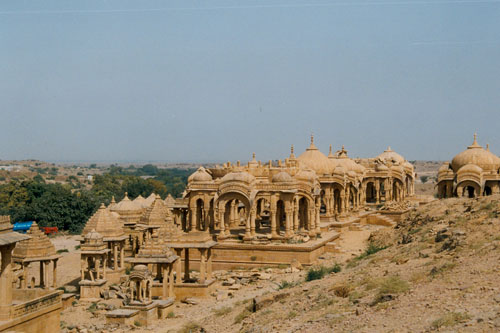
x=468, y=189
x=228, y=210
x=371, y=193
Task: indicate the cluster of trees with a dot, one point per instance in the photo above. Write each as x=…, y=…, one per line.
x=68, y=207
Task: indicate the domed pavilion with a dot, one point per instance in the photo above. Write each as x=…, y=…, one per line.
x=472, y=173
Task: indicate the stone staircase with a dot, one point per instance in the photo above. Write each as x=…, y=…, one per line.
x=379, y=219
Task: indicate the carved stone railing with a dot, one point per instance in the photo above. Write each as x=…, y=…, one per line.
x=37, y=304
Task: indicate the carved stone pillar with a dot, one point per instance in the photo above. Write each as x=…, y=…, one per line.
x=253, y=216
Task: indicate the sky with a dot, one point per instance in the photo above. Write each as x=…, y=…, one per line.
x=212, y=81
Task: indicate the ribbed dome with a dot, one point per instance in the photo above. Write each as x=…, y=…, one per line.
x=390, y=155
x=315, y=160
x=470, y=168
x=126, y=205
x=282, y=177
x=201, y=175
x=241, y=176
x=477, y=155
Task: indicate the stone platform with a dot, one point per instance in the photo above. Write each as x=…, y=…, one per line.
x=231, y=254
x=122, y=316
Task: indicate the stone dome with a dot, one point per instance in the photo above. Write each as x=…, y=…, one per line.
x=470, y=168
x=126, y=205
x=397, y=168
x=201, y=175
x=390, y=155
x=351, y=173
x=477, y=155
x=347, y=163
x=444, y=168
x=241, y=176
x=315, y=160
x=407, y=165
x=93, y=236
x=340, y=170
x=305, y=175
x=282, y=177
x=381, y=167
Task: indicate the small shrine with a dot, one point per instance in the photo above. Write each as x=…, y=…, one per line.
x=93, y=266
x=108, y=225
x=37, y=249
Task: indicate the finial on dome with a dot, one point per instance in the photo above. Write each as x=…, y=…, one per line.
x=253, y=156
x=291, y=149
x=312, y=138
x=474, y=144
x=487, y=147
x=389, y=148
x=102, y=206
x=113, y=199
x=330, y=151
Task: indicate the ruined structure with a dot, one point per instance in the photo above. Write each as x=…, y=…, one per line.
x=472, y=173
x=24, y=309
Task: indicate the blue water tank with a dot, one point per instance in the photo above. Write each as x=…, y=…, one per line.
x=22, y=227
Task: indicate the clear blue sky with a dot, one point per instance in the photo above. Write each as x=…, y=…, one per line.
x=217, y=80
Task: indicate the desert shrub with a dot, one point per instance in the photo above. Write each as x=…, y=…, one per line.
x=371, y=249
x=449, y=319
x=253, y=258
x=291, y=315
x=222, y=311
x=319, y=272
x=171, y=314
x=389, y=287
x=316, y=273
x=62, y=251
x=137, y=323
x=77, y=247
x=343, y=290
x=191, y=327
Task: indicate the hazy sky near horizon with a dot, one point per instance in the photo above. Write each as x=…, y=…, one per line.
x=202, y=81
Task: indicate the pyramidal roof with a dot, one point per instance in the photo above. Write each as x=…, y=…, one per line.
x=38, y=246
x=105, y=223
x=170, y=201
x=156, y=213
x=149, y=200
